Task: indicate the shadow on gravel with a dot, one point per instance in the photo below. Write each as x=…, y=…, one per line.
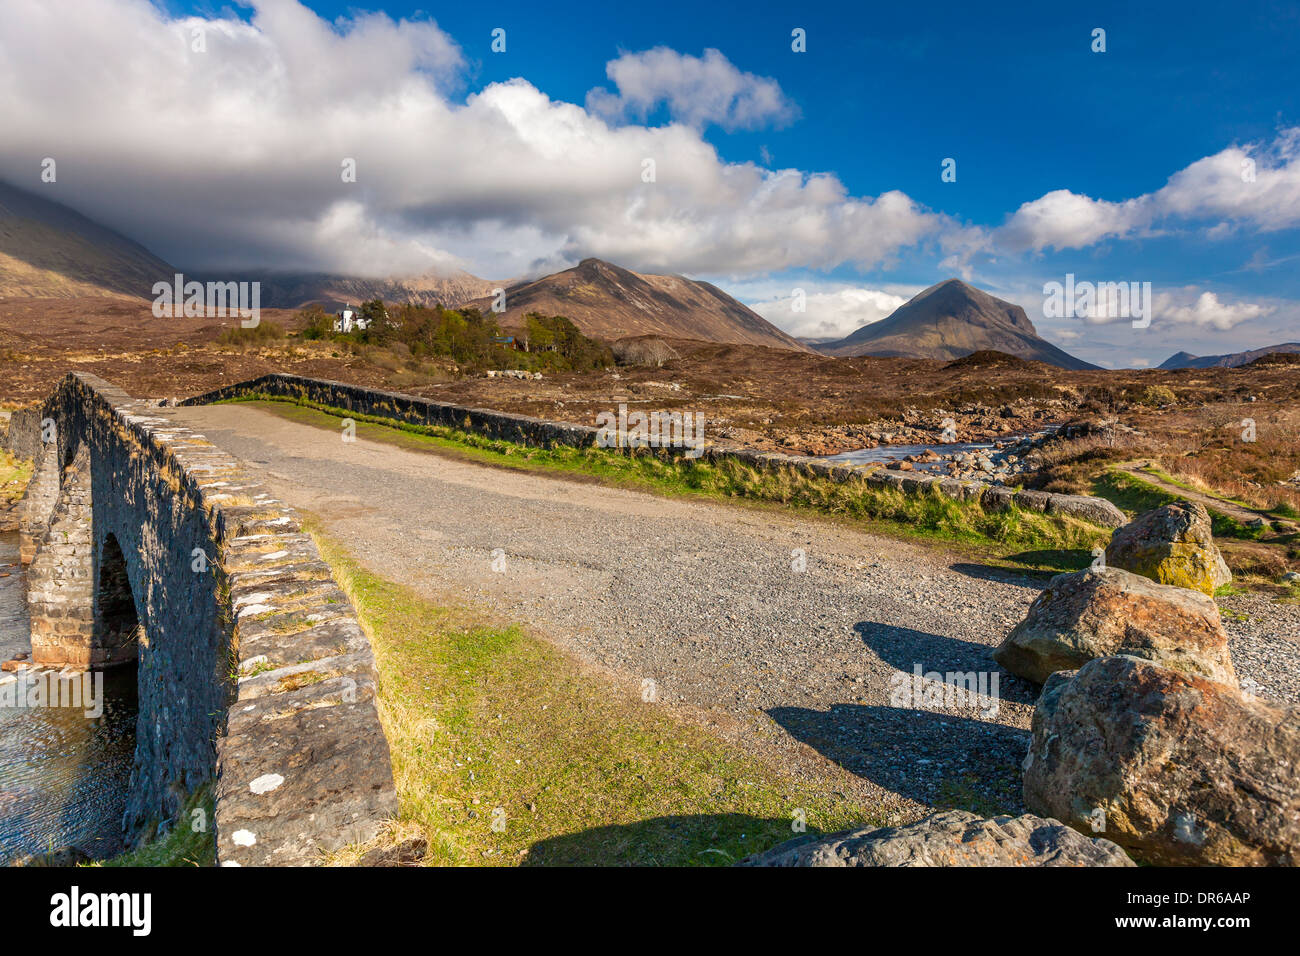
x=713, y=839
x=903, y=648
x=937, y=759
x=1053, y=561
x=987, y=572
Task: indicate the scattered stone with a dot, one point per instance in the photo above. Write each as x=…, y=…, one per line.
x=514, y=373
x=1173, y=545
x=1095, y=613
x=1172, y=767
x=949, y=838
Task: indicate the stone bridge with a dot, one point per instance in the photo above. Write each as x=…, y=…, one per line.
x=148, y=547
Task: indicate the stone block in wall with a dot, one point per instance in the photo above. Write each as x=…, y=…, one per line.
x=996, y=498
x=886, y=479
x=1087, y=508
x=917, y=484
x=1031, y=500
x=302, y=772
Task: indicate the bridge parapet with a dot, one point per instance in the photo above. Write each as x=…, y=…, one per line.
x=157, y=546
x=538, y=432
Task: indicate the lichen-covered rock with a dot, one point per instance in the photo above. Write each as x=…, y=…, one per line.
x=949, y=838
x=1173, y=545
x=1089, y=614
x=1176, y=769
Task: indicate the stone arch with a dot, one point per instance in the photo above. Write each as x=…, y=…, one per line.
x=118, y=625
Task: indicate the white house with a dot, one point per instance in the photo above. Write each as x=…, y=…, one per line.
x=348, y=319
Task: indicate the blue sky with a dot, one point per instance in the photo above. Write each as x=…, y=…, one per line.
x=778, y=170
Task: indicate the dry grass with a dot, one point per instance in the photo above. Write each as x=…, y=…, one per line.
x=14, y=475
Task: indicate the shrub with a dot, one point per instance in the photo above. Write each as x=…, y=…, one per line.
x=264, y=331
x=1157, y=395
x=643, y=351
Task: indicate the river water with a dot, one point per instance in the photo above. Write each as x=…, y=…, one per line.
x=63, y=775
x=892, y=452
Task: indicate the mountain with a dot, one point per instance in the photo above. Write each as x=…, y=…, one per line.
x=951, y=320
x=609, y=302
x=1231, y=360
x=48, y=250
x=294, y=291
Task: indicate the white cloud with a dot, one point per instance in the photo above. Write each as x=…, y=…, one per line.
x=697, y=91
x=231, y=158
x=832, y=314
x=1258, y=185
x=1206, y=310
x=1255, y=187
x=1065, y=220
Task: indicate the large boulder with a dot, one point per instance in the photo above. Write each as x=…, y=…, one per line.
x=949, y=838
x=1172, y=545
x=1172, y=767
x=1089, y=614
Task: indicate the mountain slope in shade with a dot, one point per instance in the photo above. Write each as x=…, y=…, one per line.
x=1231, y=360
x=609, y=302
x=949, y=321
x=48, y=250
x=331, y=291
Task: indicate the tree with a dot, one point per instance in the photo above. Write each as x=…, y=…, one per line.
x=375, y=317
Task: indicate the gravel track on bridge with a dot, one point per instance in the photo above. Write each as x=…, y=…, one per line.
x=798, y=667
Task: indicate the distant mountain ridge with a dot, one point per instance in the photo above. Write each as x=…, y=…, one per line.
x=609, y=302
x=289, y=291
x=950, y=320
x=1230, y=360
x=49, y=250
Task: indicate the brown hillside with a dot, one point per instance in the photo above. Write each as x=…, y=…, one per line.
x=609, y=302
x=48, y=250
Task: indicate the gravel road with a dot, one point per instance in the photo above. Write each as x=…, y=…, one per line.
x=789, y=637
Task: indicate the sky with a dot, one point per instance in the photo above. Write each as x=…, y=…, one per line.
x=793, y=154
